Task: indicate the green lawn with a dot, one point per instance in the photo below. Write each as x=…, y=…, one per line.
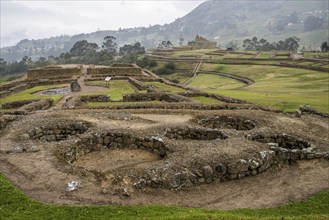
x=206, y=100
x=265, y=55
x=117, y=88
x=15, y=205
x=166, y=87
x=214, y=83
x=29, y=94
x=285, y=88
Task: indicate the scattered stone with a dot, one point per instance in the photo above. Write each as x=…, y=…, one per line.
x=73, y=185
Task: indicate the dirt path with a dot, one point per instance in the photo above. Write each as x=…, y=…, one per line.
x=195, y=73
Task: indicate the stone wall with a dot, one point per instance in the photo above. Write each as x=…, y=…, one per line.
x=180, y=133
x=51, y=73
x=17, y=104
x=116, y=139
x=214, y=96
x=58, y=132
x=168, y=97
x=116, y=71
x=95, y=98
x=138, y=84
x=282, y=140
x=237, y=123
x=38, y=105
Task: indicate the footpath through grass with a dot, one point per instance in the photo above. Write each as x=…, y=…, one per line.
x=15, y=205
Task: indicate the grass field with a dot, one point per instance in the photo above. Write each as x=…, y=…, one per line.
x=117, y=88
x=284, y=88
x=15, y=205
x=166, y=87
x=213, y=83
x=206, y=100
x=30, y=94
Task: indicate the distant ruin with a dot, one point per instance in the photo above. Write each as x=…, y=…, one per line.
x=202, y=43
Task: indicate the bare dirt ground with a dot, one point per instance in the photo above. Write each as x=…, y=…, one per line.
x=43, y=177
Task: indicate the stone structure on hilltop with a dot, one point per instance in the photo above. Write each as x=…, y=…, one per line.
x=202, y=43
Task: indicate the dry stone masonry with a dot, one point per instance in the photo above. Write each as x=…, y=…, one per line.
x=194, y=133
x=58, y=132
x=227, y=122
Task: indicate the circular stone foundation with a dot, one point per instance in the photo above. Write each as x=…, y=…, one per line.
x=226, y=122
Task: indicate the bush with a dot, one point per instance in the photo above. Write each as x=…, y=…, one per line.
x=146, y=62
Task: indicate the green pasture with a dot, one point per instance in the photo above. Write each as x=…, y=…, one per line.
x=206, y=100
x=116, y=89
x=31, y=94
x=265, y=55
x=165, y=87
x=213, y=83
x=16, y=205
x=284, y=88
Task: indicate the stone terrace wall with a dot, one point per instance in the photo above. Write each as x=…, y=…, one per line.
x=181, y=133
x=115, y=71
x=95, y=98
x=50, y=73
x=58, y=132
x=138, y=84
x=17, y=104
x=137, y=97
x=38, y=105
x=116, y=139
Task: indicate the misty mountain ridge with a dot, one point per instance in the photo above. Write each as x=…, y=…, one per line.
x=221, y=21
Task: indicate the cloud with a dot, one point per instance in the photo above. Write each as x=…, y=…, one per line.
x=40, y=19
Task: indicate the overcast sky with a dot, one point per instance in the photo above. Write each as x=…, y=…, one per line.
x=41, y=19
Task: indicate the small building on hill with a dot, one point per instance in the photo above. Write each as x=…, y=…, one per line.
x=202, y=43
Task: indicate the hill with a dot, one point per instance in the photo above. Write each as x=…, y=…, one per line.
x=223, y=21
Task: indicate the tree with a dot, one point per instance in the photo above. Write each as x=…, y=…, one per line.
x=165, y=44
x=110, y=45
x=82, y=47
x=291, y=43
x=146, y=62
x=128, y=49
x=324, y=46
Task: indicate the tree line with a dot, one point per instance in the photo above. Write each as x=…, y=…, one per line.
x=81, y=52
x=254, y=44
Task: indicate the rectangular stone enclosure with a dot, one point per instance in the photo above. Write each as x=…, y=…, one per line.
x=116, y=70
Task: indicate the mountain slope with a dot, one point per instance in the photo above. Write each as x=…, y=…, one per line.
x=223, y=21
